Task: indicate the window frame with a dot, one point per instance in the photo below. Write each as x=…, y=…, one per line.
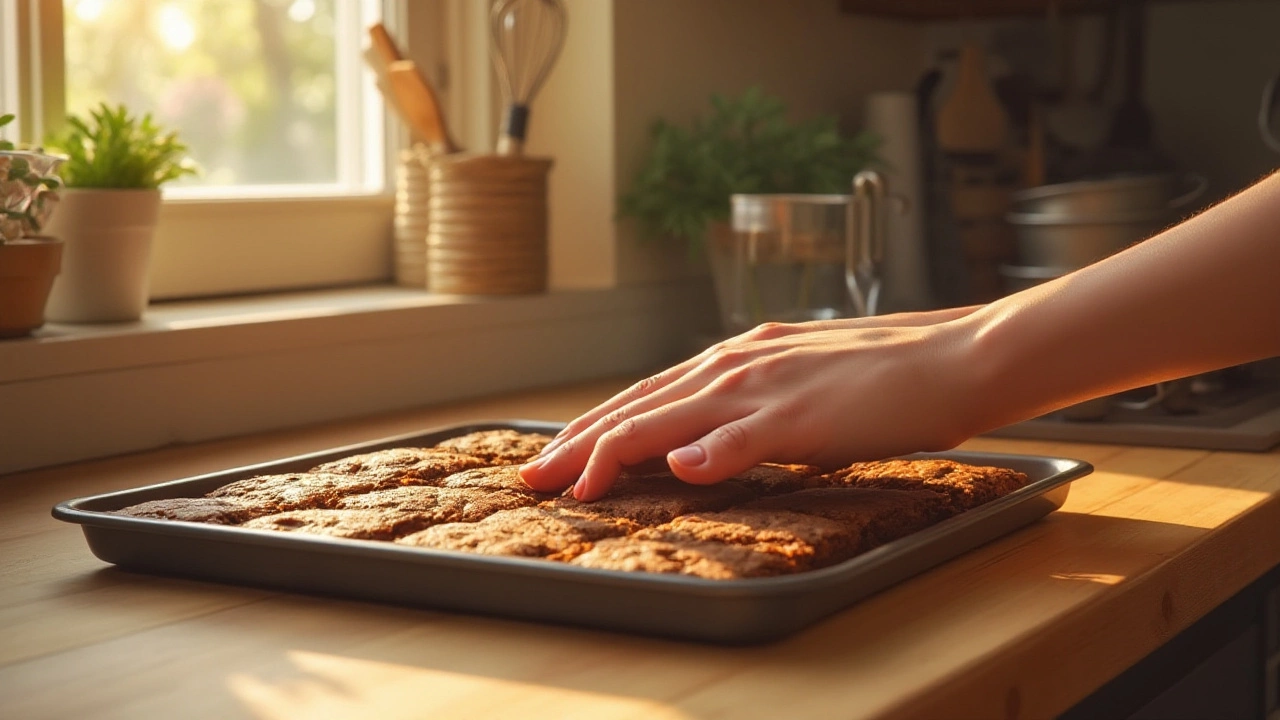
x=237, y=244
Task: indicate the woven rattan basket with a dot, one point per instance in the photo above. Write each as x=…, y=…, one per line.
x=487, y=226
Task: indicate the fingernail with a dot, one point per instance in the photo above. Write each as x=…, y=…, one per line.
x=689, y=456
x=580, y=488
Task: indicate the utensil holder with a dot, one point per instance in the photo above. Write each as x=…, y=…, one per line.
x=411, y=218
x=487, y=233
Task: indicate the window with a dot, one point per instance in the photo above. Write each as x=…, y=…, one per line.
x=276, y=103
x=270, y=95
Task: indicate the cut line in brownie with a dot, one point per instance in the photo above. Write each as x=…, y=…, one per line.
x=774, y=478
x=270, y=494
x=965, y=486
x=356, y=524
x=404, y=465
x=877, y=516
x=498, y=447
x=525, y=532
x=218, y=511
x=803, y=541
x=656, y=500
x=443, y=505
x=713, y=561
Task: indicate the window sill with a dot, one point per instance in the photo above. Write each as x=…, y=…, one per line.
x=199, y=370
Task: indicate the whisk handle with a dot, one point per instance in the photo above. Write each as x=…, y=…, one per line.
x=514, y=124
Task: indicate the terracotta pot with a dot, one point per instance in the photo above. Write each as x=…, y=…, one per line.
x=107, y=266
x=27, y=270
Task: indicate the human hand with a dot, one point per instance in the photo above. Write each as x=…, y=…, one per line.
x=822, y=393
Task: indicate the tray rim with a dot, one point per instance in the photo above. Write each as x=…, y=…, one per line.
x=71, y=511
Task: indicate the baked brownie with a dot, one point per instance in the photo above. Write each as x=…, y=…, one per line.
x=270, y=494
x=363, y=524
x=965, y=486
x=498, y=447
x=219, y=511
x=404, y=466
x=494, y=479
x=804, y=541
x=714, y=561
x=525, y=532
x=656, y=500
x=771, y=478
x=443, y=505
x=877, y=516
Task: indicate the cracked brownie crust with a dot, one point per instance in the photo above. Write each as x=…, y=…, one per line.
x=964, y=486
x=526, y=532
x=498, y=447
x=404, y=466
x=466, y=495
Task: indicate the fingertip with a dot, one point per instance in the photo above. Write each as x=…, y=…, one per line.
x=533, y=474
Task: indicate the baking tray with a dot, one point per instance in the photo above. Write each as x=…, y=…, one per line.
x=745, y=611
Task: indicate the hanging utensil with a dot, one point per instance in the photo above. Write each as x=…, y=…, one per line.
x=527, y=38
x=409, y=91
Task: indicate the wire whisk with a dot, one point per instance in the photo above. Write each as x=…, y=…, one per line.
x=527, y=38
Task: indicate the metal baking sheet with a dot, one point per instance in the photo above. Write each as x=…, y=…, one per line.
x=745, y=611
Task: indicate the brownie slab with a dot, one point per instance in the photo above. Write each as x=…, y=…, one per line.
x=654, y=500
x=219, y=511
x=500, y=477
x=772, y=479
x=498, y=447
x=965, y=486
x=524, y=532
x=442, y=505
x=877, y=516
x=270, y=494
x=403, y=466
x=714, y=561
x=803, y=541
x=363, y=524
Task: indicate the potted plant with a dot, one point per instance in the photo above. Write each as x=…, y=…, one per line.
x=747, y=145
x=29, y=262
x=116, y=163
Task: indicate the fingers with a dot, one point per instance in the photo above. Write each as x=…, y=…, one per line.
x=664, y=379
x=725, y=451
x=705, y=440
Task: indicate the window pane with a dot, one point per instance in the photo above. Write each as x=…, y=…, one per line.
x=260, y=90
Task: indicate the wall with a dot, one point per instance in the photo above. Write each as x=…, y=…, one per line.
x=671, y=55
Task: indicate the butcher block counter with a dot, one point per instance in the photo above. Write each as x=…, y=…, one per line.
x=1025, y=627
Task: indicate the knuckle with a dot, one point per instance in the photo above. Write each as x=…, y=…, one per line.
x=732, y=436
x=646, y=386
x=626, y=429
x=614, y=418
x=769, y=330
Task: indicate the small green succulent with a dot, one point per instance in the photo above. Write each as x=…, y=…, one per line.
x=113, y=148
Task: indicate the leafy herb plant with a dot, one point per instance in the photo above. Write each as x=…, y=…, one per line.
x=115, y=149
x=746, y=145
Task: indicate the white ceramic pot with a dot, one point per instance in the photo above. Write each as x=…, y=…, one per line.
x=106, y=262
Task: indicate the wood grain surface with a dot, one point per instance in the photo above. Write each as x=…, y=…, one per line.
x=1021, y=628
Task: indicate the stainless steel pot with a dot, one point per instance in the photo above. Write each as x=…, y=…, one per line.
x=1135, y=194
x=1072, y=242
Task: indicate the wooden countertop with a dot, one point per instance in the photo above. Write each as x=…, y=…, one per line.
x=1023, y=627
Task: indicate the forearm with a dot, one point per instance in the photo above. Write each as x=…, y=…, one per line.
x=1200, y=296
